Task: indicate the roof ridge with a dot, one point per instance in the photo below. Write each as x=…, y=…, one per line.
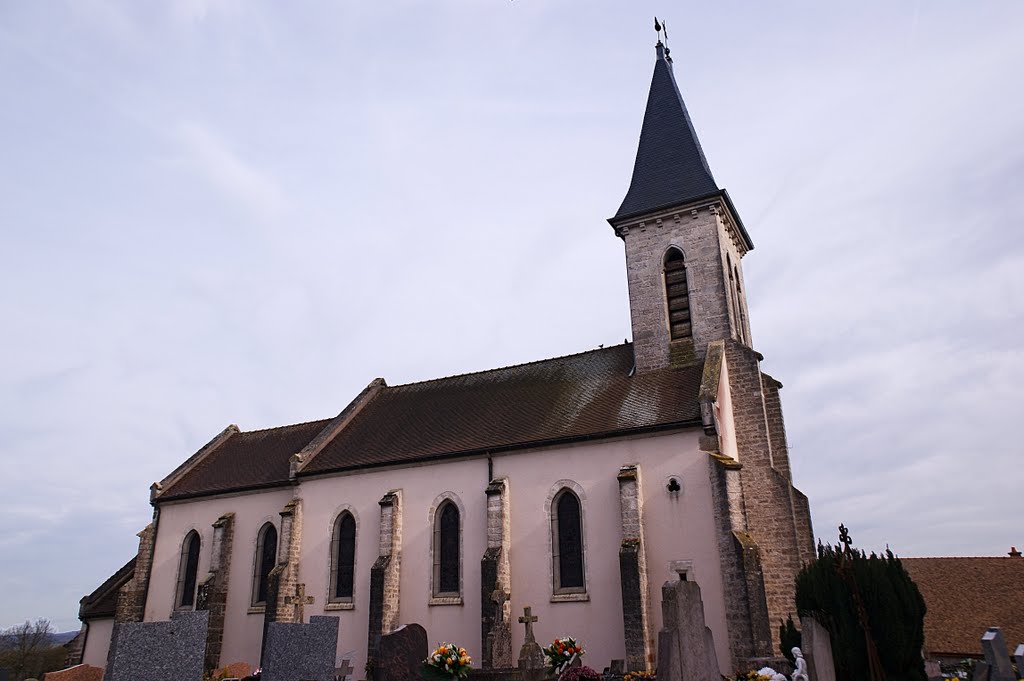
x=288, y=425
x=510, y=366
x=1004, y=557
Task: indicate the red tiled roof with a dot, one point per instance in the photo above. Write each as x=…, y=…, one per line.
x=258, y=458
x=966, y=596
x=591, y=394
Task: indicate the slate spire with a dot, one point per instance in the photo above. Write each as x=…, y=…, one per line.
x=670, y=166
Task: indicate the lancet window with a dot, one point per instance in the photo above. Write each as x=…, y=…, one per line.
x=446, y=550
x=188, y=570
x=567, y=543
x=266, y=559
x=343, y=558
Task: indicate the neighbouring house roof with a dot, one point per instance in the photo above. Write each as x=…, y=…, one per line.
x=588, y=395
x=103, y=601
x=966, y=596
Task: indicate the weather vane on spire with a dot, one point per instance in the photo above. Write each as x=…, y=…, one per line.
x=661, y=28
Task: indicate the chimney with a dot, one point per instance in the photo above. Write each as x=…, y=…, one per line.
x=1014, y=553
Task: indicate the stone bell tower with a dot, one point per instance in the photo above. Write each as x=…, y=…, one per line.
x=684, y=239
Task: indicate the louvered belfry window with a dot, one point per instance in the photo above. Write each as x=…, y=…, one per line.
x=446, y=551
x=344, y=557
x=678, y=295
x=568, y=530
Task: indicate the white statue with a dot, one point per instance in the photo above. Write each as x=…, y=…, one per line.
x=800, y=673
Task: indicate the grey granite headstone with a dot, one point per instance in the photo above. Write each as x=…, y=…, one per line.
x=1018, y=657
x=982, y=671
x=401, y=653
x=816, y=645
x=301, y=652
x=685, y=643
x=159, y=651
x=994, y=647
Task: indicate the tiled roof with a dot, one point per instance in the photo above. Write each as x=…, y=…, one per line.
x=572, y=397
x=966, y=596
x=670, y=165
x=258, y=458
x=103, y=601
x=591, y=394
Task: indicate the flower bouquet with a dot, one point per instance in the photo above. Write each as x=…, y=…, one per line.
x=446, y=663
x=640, y=676
x=562, y=653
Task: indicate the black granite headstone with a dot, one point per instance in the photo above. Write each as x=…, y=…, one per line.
x=159, y=651
x=301, y=652
x=401, y=654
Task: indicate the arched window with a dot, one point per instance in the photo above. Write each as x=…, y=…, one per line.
x=677, y=293
x=742, y=319
x=343, y=558
x=188, y=569
x=567, y=543
x=266, y=559
x=446, y=550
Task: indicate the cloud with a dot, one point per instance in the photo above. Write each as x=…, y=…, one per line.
x=210, y=157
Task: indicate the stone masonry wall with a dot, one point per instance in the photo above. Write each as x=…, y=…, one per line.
x=633, y=571
x=495, y=571
x=288, y=552
x=766, y=490
x=213, y=590
x=131, y=599
x=385, y=574
x=696, y=231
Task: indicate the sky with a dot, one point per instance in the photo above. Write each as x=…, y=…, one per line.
x=220, y=212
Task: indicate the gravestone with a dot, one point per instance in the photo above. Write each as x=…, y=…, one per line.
x=1018, y=657
x=499, y=638
x=816, y=645
x=235, y=670
x=301, y=652
x=531, y=655
x=5, y=674
x=401, y=654
x=345, y=669
x=79, y=672
x=996, y=655
x=982, y=671
x=159, y=651
x=686, y=646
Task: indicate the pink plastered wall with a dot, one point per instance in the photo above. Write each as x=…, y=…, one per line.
x=97, y=642
x=243, y=631
x=677, y=527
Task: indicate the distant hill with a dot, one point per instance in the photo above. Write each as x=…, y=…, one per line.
x=57, y=639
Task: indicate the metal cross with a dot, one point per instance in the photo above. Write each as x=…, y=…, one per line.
x=299, y=600
x=528, y=619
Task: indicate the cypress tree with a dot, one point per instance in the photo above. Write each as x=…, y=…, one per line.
x=895, y=613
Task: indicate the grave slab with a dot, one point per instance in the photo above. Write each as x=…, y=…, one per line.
x=159, y=651
x=816, y=645
x=79, y=672
x=301, y=652
x=685, y=641
x=996, y=655
x=401, y=653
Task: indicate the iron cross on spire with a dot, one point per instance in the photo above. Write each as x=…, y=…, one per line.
x=299, y=600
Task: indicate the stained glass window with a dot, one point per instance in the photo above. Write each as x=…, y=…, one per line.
x=344, y=556
x=570, y=541
x=266, y=559
x=446, y=550
x=189, y=569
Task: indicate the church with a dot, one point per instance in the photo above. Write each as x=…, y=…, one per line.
x=576, y=485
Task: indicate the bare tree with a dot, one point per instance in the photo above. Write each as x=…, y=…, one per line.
x=28, y=650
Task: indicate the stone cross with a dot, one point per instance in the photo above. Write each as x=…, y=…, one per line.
x=341, y=673
x=299, y=600
x=500, y=596
x=528, y=619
